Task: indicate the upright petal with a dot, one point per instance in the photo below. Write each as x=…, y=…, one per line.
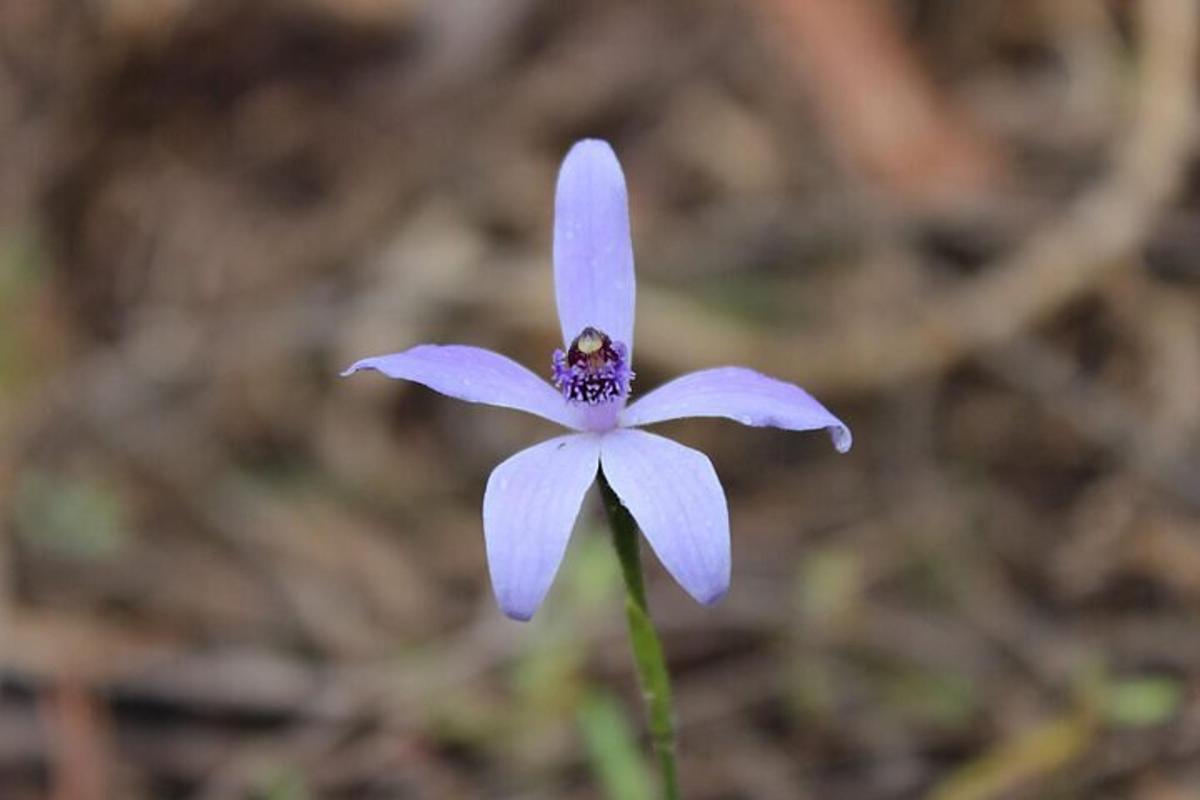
x=740, y=394
x=675, y=496
x=475, y=375
x=529, y=509
x=593, y=254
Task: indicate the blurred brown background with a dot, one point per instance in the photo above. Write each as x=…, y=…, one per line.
x=969, y=227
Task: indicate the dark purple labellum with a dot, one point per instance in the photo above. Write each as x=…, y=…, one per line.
x=593, y=370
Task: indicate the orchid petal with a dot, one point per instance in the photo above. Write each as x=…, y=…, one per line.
x=529, y=509
x=593, y=253
x=675, y=497
x=475, y=375
x=740, y=394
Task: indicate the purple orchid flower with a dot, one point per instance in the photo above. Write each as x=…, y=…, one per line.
x=672, y=491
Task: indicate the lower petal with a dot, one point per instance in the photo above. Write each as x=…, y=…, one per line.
x=673, y=493
x=529, y=509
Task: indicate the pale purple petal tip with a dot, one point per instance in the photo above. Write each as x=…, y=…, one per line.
x=674, y=495
x=475, y=375
x=593, y=253
x=742, y=395
x=529, y=509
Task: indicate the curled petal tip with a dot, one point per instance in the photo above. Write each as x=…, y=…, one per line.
x=843, y=440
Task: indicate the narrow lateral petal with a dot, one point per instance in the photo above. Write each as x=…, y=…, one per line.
x=742, y=395
x=475, y=375
x=675, y=496
x=593, y=254
x=529, y=509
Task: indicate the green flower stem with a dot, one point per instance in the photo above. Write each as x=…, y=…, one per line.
x=647, y=649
